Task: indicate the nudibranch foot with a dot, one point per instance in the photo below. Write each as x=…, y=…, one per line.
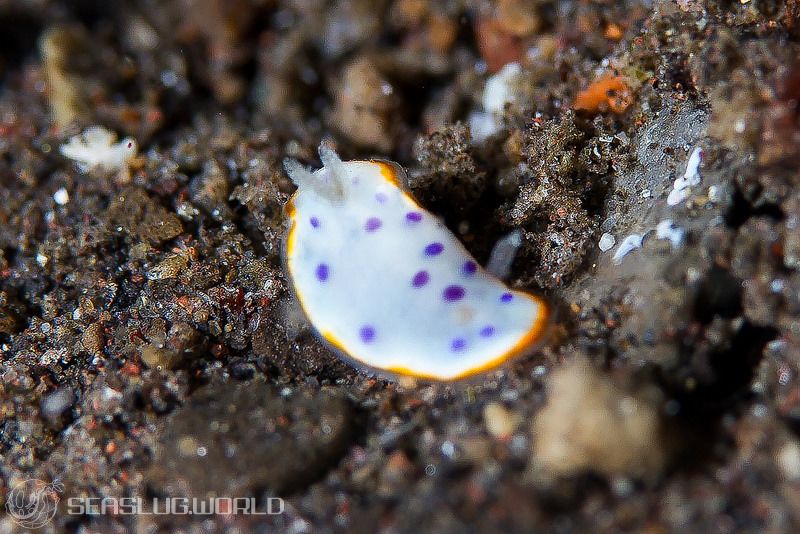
x=385, y=282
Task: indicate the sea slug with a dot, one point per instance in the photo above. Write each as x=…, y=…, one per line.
x=386, y=283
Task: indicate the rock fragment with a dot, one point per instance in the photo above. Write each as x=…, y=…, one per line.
x=592, y=424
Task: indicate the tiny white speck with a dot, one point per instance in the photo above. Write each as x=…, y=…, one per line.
x=41, y=259
x=448, y=449
x=606, y=242
x=622, y=486
x=61, y=197
x=739, y=125
x=646, y=193
x=776, y=345
x=533, y=53
x=169, y=78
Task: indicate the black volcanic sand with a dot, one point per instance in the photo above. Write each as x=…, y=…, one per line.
x=150, y=344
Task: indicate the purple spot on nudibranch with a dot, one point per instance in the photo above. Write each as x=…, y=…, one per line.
x=367, y=334
x=420, y=279
x=323, y=271
x=470, y=267
x=372, y=224
x=414, y=216
x=506, y=297
x=487, y=331
x=434, y=249
x=314, y=222
x=380, y=197
x=453, y=293
x=458, y=344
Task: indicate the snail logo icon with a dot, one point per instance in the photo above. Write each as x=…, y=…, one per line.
x=32, y=503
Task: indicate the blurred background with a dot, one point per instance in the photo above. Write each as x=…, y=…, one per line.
x=150, y=345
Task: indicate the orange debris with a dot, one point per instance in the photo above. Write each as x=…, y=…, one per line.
x=609, y=92
x=613, y=32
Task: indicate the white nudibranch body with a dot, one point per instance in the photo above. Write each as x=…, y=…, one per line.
x=386, y=283
x=96, y=147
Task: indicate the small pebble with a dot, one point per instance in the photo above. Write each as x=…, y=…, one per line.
x=448, y=449
x=788, y=459
x=168, y=268
x=607, y=241
x=499, y=421
x=61, y=197
x=57, y=403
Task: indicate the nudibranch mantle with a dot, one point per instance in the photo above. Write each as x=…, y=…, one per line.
x=385, y=282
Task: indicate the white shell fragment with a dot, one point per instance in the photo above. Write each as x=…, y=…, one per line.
x=386, y=283
x=503, y=254
x=666, y=229
x=499, y=88
x=95, y=147
x=628, y=245
x=61, y=197
x=498, y=91
x=681, y=187
x=607, y=241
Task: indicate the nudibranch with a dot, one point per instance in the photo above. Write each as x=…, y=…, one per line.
x=386, y=283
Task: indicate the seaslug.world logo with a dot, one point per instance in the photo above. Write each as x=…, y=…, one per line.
x=32, y=503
